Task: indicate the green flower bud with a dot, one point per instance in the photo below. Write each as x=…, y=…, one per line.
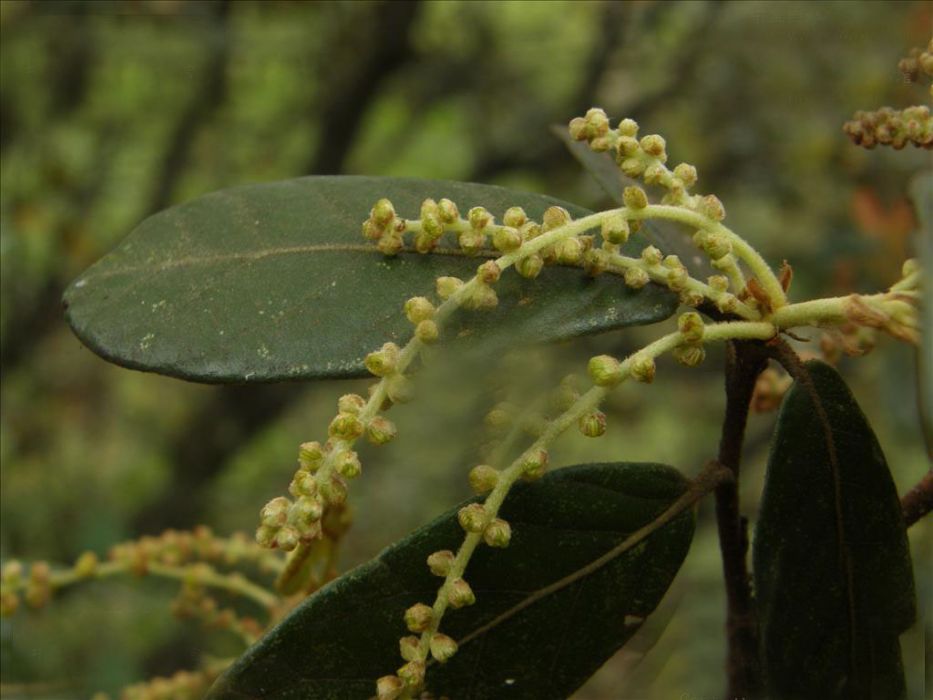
x=389, y=688
x=303, y=484
x=409, y=647
x=275, y=512
x=459, y=594
x=635, y=277
x=500, y=416
x=691, y=326
x=690, y=355
x=570, y=251
x=628, y=127
x=307, y=509
x=382, y=362
x=381, y=430
x=12, y=573
x=350, y=403
x=597, y=123
x=534, y=462
x=711, y=207
x=727, y=303
x=677, y=279
x=489, y=272
x=633, y=167
x=86, y=566
x=506, y=239
x=479, y=217
x=473, y=518
x=432, y=226
x=578, y=129
x=348, y=464
x=446, y=286
x=601, y=144
x=427, y=332
x=554, y=217
x=442, y=647
x=419, y=309
x=345, y=426
x=287, y=538
x=372, y=231
x=627, y=147
x=615, y=229
x=265, y=536
x=595, y=262
x=530, y=267
x=691, y=298
x=482, y=297
x=390, y=244
x=530, y=230
x=718, y=283
x=428, y=208
x=383, y=212
x=605, y=370
x=593, y=424
x=515, y=217
x=643, y=368
x=672, y=262
x=498, y=533
x=687, y=174
x=472, y=241
x=418, y=617
x=441, y=562
x=412, y=673
x=717, y=246
x=9, y=603
x=654, y=145
x=448, y=211
x=399, y=388
x=652, y=256
x=635, y=198
x=655, y=174
x=910, y=267
x=334, y=491
x=483, y=478
x=310, y=456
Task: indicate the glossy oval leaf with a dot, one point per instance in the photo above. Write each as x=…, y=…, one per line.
x=833, y=575
x=344, y=637
x=275, y=281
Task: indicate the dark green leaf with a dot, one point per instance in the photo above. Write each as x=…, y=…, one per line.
x=339, y=641
x=832, y=564
x=670, y=238
x=272, y=282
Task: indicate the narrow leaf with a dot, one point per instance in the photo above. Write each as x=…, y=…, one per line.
x=275, y=281
x=344, y=637
x=832, y=564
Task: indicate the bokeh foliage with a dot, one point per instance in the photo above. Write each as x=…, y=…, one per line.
x=110, y=111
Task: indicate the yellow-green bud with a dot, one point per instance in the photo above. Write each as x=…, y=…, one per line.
x=409, y=647
x=382, y=362
x=310, y=455
x=652, y=256
x=346, y=426
x=442, y=647
x=418, y=617
x=389, y=688
x=399, y=388
x=615, y=229
x=654, y=145
x=372, y=231
x=446, y=286
x=472, y=241
x=350, y=403
x=86, y=566
x=275, y=512
x=597, y=123
x=605, y=370
x=419, y=309
x=431, y=226
x=718, y=283
x=479, y=217
x=687, y=174
x=287, y=538
x=691, y=326
x=489, y=272
x=303, y=484
x=690, y=355
x=727, y=303
x=482, y=297
x=530, y=230
x=448, y=211
x=628, y=127
x=570, y=251
x=515, y=217
x=506, y=239
x=459, y=594
x=717, y=246
x=635, y=198
x=427, y=332
x=12, y=573
x=380, y=430
x=672, y=262
x=592, y=424
x=265, y=536
x=713, y=208
x=412, y=673
x=530, y=267
x=441, y=562
x=428, y=207
x=534, y=463
x=578, y=129
x=9, y=603
x=500, y=416
x=910, y=267
x=554, y=217
x=473, y=518
x=348, y=464
x=627, y=147
x=691, y=298
x=383, y=212
x=498, y=533
x=483, y=478
x=308, y=509
x=655, y=174
x=677, y=279
x=642, y=368
x=633, y=167
x=334, y=491
x=390, y=244
x=635, y=277
x=601, y=144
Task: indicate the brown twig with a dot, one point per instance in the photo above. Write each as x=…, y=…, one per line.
x=744, y=362
x=917, y=502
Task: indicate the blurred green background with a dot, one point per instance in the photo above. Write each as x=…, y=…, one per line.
x=110, y=111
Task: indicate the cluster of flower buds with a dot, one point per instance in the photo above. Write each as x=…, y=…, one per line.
x=183, y=685
x=690, y=352
x=36, y=586
x=890, y=127
x=918, y=62
x=177, y=547
x=193, y=601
